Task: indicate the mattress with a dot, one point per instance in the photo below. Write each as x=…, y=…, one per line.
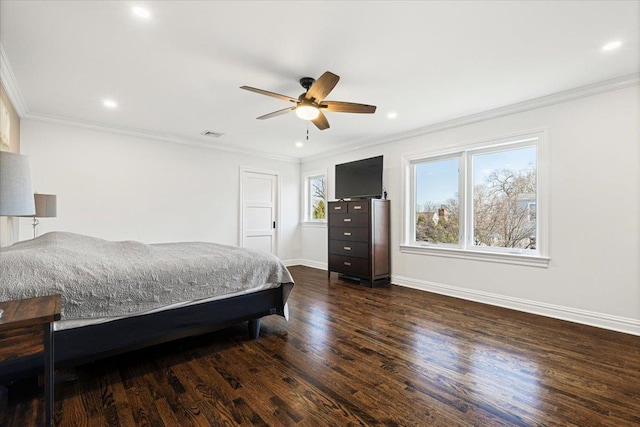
x=101, y=280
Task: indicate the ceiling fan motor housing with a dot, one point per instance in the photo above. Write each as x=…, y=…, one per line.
x=306, y=82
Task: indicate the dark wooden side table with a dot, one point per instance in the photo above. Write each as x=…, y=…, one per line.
x=21, y=318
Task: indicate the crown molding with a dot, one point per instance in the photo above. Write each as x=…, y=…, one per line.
x=531, y=104
x=13, y=92
x=138, y=133
x=10, y=84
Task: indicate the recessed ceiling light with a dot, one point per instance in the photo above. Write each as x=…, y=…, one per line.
x=299, y=144
x=392, y=115
x=612, y=45
x=141, y=12
x=110, y=103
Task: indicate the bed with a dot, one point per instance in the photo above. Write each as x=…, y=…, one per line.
x=122, y=296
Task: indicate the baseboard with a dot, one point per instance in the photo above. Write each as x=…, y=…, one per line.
x=306, y=263
x=591, y=318
x=290, y=262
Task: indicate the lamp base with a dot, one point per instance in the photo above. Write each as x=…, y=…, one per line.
x=35, y=224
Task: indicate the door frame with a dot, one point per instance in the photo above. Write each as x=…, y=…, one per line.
x=243, y=171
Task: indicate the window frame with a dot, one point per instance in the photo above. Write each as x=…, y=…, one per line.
x=466, y=249
x=307, y=198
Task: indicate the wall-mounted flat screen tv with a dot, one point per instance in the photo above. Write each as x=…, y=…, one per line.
x=359, y=179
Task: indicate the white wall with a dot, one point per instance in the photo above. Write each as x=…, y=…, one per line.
x=594, y=273
x=122, y=187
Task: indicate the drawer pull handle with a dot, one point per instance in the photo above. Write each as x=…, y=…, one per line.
x=347, y=263
x=337, y=208
x=346, y=234
x=357, y=207
x=347, y=248
x=347, y=220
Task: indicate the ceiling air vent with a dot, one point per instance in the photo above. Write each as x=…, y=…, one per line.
x=212, y=134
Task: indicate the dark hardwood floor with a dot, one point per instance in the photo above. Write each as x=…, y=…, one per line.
x=352, y=355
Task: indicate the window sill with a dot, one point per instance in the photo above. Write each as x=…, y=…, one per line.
x=314, y=224
x=504, y=258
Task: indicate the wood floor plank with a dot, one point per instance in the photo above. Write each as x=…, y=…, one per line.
x=139, y=396
x=352, y=355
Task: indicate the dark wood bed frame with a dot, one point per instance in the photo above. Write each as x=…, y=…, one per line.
x=82, y=345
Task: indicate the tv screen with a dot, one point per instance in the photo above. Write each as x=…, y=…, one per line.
x=360, y=179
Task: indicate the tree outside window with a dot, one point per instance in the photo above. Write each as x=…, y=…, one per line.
x=317, y=198
x=504, y=193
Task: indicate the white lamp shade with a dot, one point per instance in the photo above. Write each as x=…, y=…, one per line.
x=307, y=111
x=46, y=205
x=16, y=192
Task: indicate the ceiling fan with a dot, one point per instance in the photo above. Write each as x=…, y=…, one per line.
x=310, y=104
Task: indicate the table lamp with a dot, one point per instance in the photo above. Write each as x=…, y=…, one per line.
x=46, y=207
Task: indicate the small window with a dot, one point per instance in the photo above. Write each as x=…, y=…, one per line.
x=315, y=198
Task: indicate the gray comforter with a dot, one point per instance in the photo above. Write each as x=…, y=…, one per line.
x=100, y=278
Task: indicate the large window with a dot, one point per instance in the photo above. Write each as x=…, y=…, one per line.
x=483, y=199
x=315, y=197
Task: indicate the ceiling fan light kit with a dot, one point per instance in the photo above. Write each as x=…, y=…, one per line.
x=309, y=104
x=307, y=111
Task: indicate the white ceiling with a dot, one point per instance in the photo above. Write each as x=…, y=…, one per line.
x=178, y=73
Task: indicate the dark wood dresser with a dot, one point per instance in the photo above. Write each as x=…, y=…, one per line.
x=359, y=240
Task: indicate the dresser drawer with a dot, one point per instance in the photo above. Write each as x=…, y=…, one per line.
x=348, y=265
x=338, y=207
x=349, y=234
x=348, y=220
x=359, y=207
x=356, y=249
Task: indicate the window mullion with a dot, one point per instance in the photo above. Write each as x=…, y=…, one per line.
x=469, y=197
x=464, y=204
x=412, y=210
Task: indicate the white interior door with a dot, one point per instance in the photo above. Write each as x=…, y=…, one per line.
x=258, y=206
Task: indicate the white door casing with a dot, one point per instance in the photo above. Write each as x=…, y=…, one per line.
x=258, y=209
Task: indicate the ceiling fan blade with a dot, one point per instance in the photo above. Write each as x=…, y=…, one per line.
x=347, y=107
x=321, y=87
x=266, y=92
x=321, y=121
x=276, y=113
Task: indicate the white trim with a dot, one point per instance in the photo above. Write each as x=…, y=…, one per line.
x=314, y=224
x=502, y=258
x=306, y=263
x=591, y=318
x=474, y=144
x=138, y=133
x=243, y=171
x=10, y=84
x=519, y=107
